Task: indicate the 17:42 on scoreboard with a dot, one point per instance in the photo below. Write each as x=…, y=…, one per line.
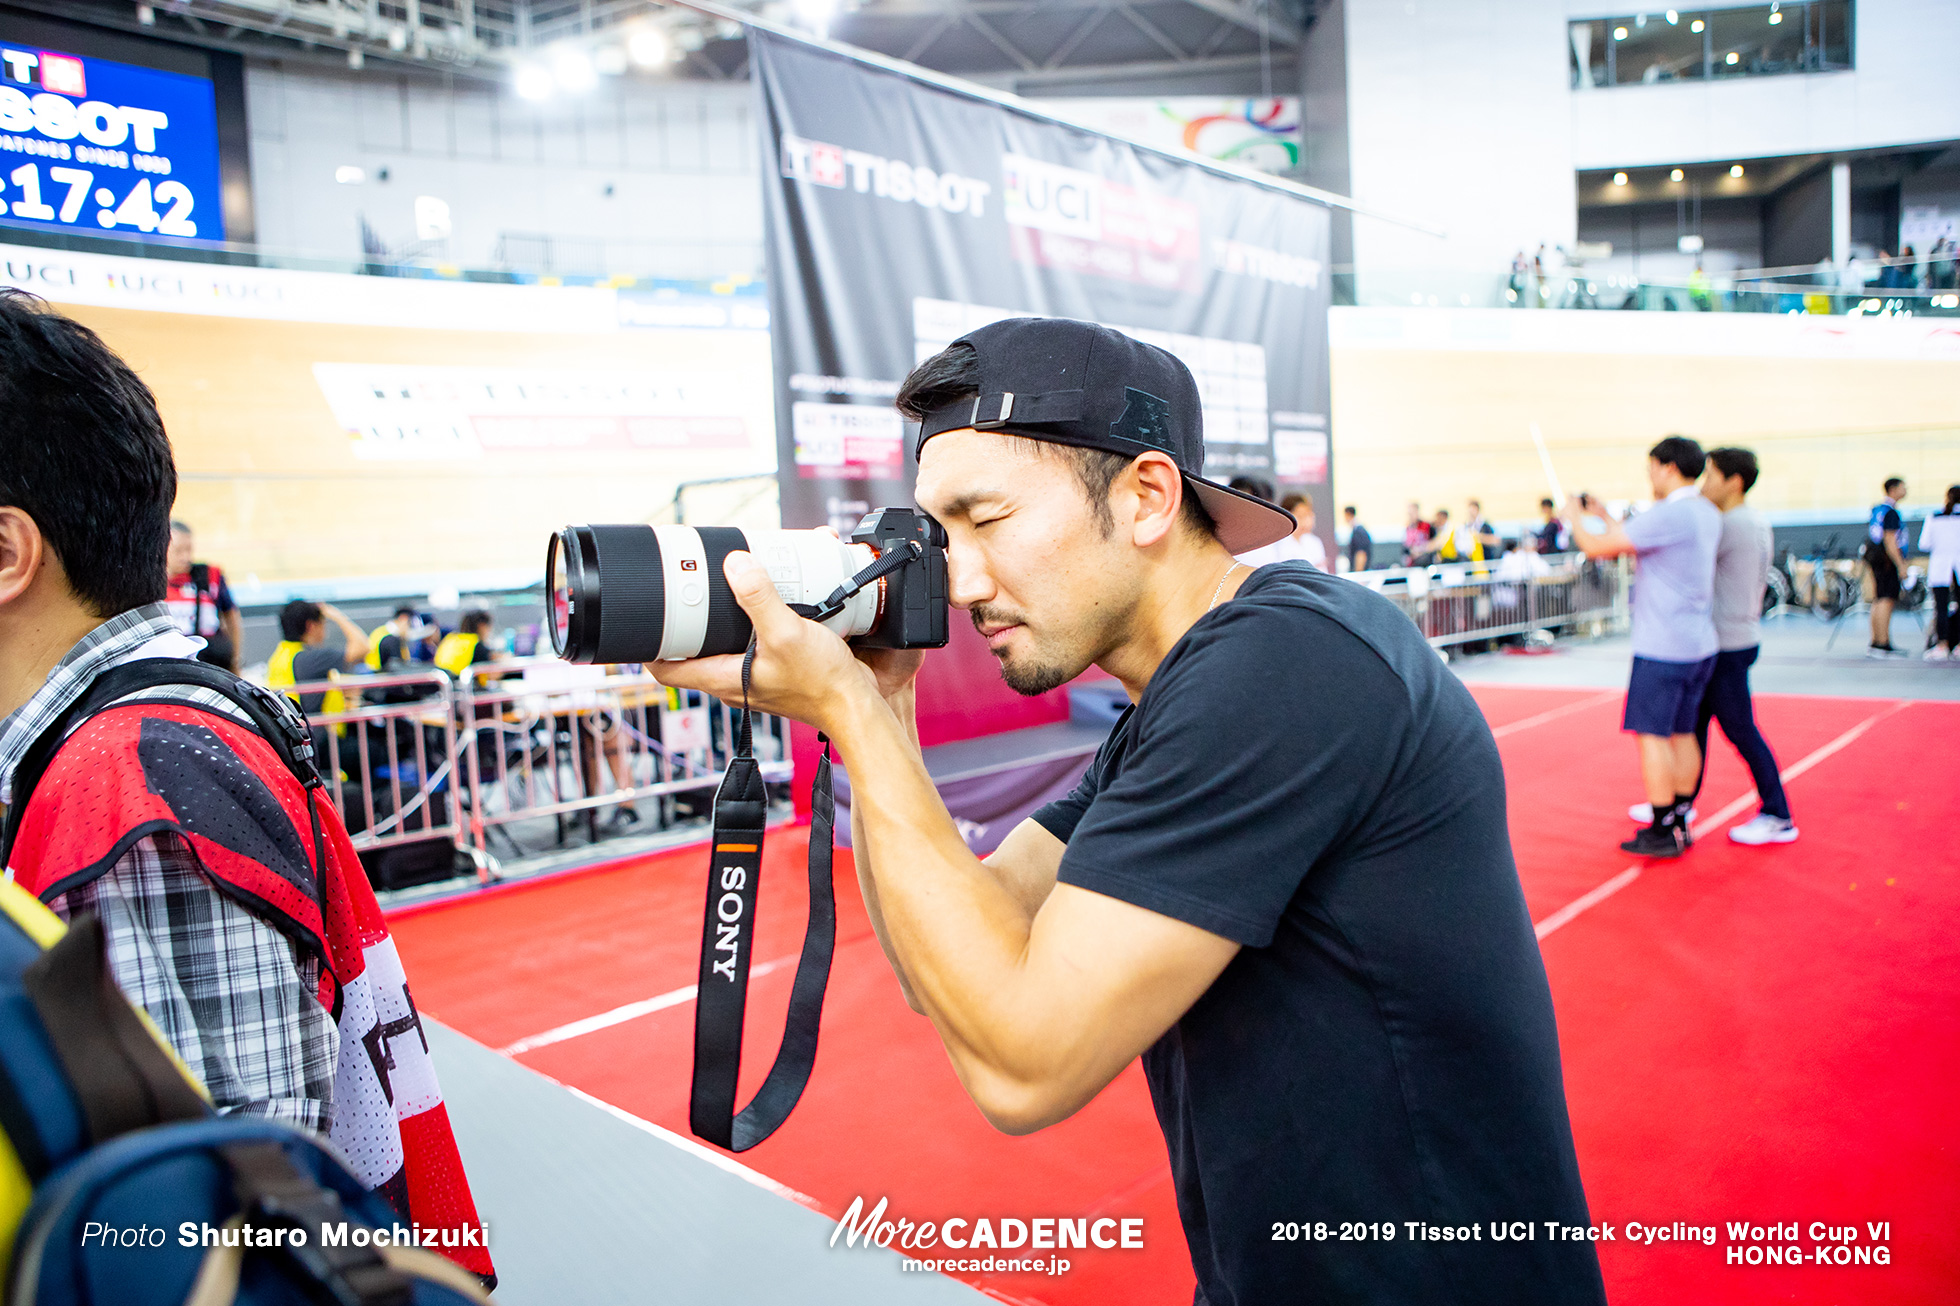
x=71, y=189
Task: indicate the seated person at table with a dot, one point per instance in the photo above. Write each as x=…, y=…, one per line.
x=468, y=646
x=390, y=644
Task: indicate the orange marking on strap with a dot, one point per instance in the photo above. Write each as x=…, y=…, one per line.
x=734, y=847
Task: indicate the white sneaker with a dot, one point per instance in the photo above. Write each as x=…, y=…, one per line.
x=1764, y=828
x=1937, y=653
x=1643, y=813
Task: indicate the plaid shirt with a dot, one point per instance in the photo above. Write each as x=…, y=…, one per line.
x=234, y=996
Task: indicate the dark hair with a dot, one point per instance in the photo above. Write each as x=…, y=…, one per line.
x=296, y=616
x=1294, y=500
x=184, y=526
x=1253, y=486
x=1546, y=503
x=473, y=621
x=1680, y=453
x=1736, y=462
x=404, y=611
x=1349, y=510
x=953, y=374
x=83, y=453
x=1891, y=481
x=1952, y=501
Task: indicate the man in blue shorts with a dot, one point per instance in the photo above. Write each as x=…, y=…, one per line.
x=1674, y=642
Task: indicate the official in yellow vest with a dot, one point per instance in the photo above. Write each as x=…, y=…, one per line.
x=303, y=656
x=400, y=626
x=465, y=646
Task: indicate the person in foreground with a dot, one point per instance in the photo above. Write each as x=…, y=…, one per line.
x=1271, y=884
x=246, y=931
x=1674, y=643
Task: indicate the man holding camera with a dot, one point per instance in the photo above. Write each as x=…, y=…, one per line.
x=1271, y=884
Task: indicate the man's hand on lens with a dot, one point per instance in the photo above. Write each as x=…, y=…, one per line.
x=801, y=670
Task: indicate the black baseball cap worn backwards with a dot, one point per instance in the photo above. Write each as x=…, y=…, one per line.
x=1081, y=384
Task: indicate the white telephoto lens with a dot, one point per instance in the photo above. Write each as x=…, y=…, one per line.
x=808, y=566
x=805, y=566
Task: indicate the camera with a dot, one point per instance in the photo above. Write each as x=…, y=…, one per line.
x=655, y=593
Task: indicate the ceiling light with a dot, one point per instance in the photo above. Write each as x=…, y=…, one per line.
x=1619, y=34
x=1673, y=18
x=649, y=47
x=1697, y=25
x=1619, y=179
x=534, y=82
x=1676, y=175
x=572, y=69
x=1732, y=59
x=1774, y=18
x=1640, y=20
x=349, y=175
x=1735, y=170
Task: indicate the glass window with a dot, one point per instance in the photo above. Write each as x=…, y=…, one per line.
x=1669, y=45
x=1655, y=50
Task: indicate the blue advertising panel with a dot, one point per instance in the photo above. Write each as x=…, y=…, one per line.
x=107, y=148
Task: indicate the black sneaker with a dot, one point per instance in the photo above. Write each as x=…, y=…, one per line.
x=1668, y=841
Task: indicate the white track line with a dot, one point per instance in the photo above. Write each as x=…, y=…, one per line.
x=1556, y=713
x=620, y=1015
x=1600, y=894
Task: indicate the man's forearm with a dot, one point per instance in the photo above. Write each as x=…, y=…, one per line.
x=953, y=931
x=904, y=707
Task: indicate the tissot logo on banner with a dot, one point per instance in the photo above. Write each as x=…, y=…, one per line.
x=107, y=146
x=894, y=179
x=1053, y=219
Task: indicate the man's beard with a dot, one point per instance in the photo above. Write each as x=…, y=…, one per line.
x=1032, y=676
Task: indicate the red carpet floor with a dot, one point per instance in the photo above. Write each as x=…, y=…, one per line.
x=1749, y=1035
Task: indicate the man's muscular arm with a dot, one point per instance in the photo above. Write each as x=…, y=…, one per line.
x=1038, y=1007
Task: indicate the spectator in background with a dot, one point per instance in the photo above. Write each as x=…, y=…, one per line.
x=1742, y=559
x=200, y=602
x=389, y=644
x=1360, y=544
x=303, y=655
x=1885, y=554
x=1475, y=525
x=1415, y=536
x=1547, y=538
x=1940, y=539
x=1674, y=641
x=1302, y=544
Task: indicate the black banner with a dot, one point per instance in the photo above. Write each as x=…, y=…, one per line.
x=902, y=215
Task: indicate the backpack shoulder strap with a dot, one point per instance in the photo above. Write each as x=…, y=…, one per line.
x=276, y=718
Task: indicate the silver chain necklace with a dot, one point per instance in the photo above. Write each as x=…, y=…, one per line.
x=1221, y=583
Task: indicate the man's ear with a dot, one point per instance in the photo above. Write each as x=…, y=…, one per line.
x=1160, y=490
x=22, y=550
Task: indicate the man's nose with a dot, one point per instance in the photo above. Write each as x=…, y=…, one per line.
x=967, y=582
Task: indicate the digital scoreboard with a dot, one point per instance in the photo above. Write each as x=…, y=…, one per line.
x=93, y=145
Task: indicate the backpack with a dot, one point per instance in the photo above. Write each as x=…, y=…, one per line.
x=118, y=1184
x=115, y=1144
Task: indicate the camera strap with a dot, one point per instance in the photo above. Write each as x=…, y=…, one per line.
x=883, y=565
x=727, y=938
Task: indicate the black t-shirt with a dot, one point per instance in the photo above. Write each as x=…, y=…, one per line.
x=1303, y=776
x=315, y=663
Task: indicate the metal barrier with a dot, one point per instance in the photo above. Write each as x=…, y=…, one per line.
x=1456, y=603
x=519, y=740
